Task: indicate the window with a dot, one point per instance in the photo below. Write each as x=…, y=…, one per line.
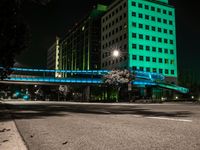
x=154, y=59
x=165, y=30
x=170, y=13
x=160, y=60
x=165, y=21
x=147, y=17
x=153, y=38
x=141, y=58
x=165, y=41
x=154, y=49
x=134, y=35
x=140, y=15
x=170, y=22
x=159, y=30
x=172, y=71
x=147, y=37
x=153, y=28
x=164, y=11
x=146, y=7
x=134, y=68
x=141, y=47
x=154, y=70
x=140, y=5
x=166, y=71
x=160, y=71
x=140, y=36
x=159, y=40
x=147, y=27
x=147, y=48
x=170, y=32
x=153, y=18
x=172, y=62
x=148, y=69
x=134, y=57
x=160, y=50
x=171, y=42
x=141, y=68
x=133, y=3
x=134, y=46
x=134, y=24
x=140, y=25
x=171, y=51
x=159, y=19
x=166, y=61
x=152, y=8
x=133, y=13
x=147, y=58
x=158, y=10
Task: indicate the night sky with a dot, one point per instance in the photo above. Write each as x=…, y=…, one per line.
x=59, y=16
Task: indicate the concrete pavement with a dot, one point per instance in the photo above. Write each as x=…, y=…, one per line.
x=10, y=138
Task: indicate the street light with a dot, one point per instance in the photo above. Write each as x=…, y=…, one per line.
x=115, y=53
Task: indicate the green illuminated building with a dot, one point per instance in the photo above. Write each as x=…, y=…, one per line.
x=80, y=48
x=144, y=32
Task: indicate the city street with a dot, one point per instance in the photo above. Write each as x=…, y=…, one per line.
x=84, y=126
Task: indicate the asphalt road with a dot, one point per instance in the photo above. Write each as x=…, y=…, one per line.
x=75, y=126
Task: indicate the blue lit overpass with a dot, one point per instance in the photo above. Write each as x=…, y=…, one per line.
x=89, y=77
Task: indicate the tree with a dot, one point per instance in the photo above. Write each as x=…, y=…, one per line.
x=14, y=32
x=118, y=78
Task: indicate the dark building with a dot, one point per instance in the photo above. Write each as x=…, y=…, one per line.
x=80, y=48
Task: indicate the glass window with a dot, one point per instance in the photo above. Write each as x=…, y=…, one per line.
x=166, y=51
x=147, y=58
x=148, y=69
x=160, y=71
x=171, y=51
x=172, y=71
x=140, y=15
x=134, y=24
x=147, y=17
x=133, y=13
x=152, y=8
x=160, y=50
x=140, y=5
x=146, y=7
x=140, y=36
x=141, y=47
x=154, y=70
x=147, y=27
x=154, y=59
x=147, y=48
x=134, y=46
x=166, y=71
x=160, y=60
x=147, y=37
x=154, y=49
x=141, y=58
x=133, y=35
x=133, y=3
x=140, y=25
x=134, y=57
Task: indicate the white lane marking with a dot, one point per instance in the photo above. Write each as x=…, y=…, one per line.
x=171, y=119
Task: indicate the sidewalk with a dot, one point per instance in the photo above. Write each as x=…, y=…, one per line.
x=10, y=138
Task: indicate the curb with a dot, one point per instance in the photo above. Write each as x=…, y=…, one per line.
x=10, y=138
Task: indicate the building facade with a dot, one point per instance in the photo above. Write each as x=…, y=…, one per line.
x=144, y=33
x=80, y=48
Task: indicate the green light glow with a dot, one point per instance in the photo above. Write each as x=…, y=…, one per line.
x=151, y=27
